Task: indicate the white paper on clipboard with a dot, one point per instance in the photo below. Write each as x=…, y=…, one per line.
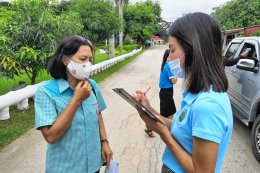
x=126, y=96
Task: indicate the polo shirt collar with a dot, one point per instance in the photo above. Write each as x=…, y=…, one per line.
x=189, y=98
x=63, y=85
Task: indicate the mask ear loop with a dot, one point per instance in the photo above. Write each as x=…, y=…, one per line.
x=74, y=70
x=182, y=56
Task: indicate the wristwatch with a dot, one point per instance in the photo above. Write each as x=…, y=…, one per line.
x=104, y=140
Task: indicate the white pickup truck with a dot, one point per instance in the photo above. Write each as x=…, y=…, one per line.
x=244, y=85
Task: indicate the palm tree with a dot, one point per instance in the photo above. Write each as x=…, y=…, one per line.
x=120, y=4
x=112, y=40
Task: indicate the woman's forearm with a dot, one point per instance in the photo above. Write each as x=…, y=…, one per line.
x=102, y=129
x=183, y=157
x=61, y=124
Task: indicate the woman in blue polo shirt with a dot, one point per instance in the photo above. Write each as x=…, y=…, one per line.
x=68, y=112
x=198, y=136
x=166, y=83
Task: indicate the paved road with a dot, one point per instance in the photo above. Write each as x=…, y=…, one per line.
x=132, y=148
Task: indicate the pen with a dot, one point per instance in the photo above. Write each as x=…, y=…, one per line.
x=144, y=93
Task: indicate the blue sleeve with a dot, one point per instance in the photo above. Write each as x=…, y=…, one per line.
x=45, y=112
x=209, y=120
x=169, y=72
x=100, y=100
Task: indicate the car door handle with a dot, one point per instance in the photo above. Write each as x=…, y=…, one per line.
x=251, y=80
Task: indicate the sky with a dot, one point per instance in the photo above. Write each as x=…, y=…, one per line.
x=172, y=9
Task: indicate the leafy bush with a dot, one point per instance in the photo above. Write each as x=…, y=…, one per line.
x=128, y=40
x=131, y=47
x=104, y=47
x=257, y=33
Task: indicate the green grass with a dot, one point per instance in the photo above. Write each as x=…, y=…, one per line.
x=19, y=123
x=104, y=74
x=23, y=120
x=100, y=57
x=8, y=84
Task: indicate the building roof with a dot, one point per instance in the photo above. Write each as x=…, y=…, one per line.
x=157, y=38
x=238, y=30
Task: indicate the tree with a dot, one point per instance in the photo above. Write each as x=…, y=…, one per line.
x=98, y=19
x=162, y=31
x=141, y=20
x=39, y=31
x=156, y=8
x=8, y=26
x=62, y=7
x=162, y=26
x=237, y=14
x=4, y=3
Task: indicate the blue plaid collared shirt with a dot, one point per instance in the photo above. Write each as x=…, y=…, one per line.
x=78, y=150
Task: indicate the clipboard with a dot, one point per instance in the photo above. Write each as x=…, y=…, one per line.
x=132, y=101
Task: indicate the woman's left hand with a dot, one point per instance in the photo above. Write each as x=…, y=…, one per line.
x=107, y=153
x=154, y=125
x=150, y=124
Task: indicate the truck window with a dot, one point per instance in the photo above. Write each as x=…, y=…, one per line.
x=252, y=53
x=232, y=50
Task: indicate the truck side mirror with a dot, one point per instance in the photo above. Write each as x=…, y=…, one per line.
x=247, y=65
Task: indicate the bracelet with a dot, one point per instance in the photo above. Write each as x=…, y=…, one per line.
x=104, y=140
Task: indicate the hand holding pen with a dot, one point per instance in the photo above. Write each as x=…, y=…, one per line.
x=144, y=93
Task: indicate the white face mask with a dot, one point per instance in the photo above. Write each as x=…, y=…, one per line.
x=79, y=71
x=176, y=69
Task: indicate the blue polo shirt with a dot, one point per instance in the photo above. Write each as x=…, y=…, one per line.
x=165, y=76
x=206, y=115
x=78, y=149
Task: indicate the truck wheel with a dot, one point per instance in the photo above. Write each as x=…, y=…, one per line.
x=255, y=138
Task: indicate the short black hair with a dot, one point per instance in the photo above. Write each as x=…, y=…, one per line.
x=200, y=37
x=67, y=47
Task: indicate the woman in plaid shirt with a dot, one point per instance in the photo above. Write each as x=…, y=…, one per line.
x=68, y=112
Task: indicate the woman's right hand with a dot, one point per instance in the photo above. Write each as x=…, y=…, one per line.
x=82, y=91
x=140, y=97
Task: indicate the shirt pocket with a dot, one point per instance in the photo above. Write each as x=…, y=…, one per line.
x=90, y=108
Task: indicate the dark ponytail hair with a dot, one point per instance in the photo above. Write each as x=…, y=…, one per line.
x=165, y=56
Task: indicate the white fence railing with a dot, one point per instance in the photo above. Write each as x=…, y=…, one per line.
x=20, y=97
